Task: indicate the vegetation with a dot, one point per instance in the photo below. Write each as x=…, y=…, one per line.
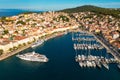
x=3, y=18
x=27, y=12
x=97, y=10
x=1, y=51
x=10, y=49
x=64, y=18
x=5, y=32
x=21, y=22
x=24, y=44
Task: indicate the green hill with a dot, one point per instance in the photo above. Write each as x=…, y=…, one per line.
x=98, y=10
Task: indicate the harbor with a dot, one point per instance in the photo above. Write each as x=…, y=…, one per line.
x=24, y=47
x=61, y=65
x=83, y=44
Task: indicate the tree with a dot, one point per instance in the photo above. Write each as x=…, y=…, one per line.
x=21, y=22
x=15, y=48
x=19, y=45
x=24, y=44
x=3, y=18
x=10, y=49
x=1, y=51
x=5, y=32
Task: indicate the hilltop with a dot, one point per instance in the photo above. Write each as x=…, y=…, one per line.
x=95, y=9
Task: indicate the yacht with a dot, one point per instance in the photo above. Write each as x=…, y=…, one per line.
x=32, y=56
x=37, y=43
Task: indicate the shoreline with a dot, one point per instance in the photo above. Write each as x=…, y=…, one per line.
x=48, y=37
x=7, y=55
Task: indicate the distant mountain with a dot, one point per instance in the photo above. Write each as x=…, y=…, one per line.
x=98, y=10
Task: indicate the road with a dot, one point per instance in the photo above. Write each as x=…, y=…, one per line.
x=109, y=47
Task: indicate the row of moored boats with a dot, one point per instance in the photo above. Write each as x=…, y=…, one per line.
x=93, y=61
x=87, y=46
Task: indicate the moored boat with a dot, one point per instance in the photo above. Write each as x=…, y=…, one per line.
x=32, y=56
x=118, y=66
x=37, y=43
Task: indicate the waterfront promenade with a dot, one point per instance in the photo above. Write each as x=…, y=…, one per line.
x=52, y=35
x=6, y=55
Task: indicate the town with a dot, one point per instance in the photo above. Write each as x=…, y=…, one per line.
x=21, y=30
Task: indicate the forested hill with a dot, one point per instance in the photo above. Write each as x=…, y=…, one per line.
x=98, y=10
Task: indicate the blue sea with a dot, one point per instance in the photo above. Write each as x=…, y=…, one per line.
x=61, y=64
x=12, y=12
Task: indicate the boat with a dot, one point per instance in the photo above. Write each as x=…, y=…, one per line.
x=118, y=66
x=98, y=64
x=106, y=65
x=37, y=43
x=32, y=56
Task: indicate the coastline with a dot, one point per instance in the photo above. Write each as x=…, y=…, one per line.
x=6, y=55
x=50, y=36
x=47, y=37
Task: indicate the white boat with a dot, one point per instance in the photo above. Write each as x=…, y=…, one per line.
x=106, y=65
x=40, y=42
x=32, y=56
x=118, y=66
x=98, y=64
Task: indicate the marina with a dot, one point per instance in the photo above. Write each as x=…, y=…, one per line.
x=83, y=44
x=53, y=42
x=93, y=61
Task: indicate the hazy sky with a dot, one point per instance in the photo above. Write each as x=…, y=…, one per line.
x=56, y=4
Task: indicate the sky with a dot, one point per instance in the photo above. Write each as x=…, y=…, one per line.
x=56, y=4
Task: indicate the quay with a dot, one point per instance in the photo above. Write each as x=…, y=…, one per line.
x=47, y=37
x=6, y=55
x=109, y=48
